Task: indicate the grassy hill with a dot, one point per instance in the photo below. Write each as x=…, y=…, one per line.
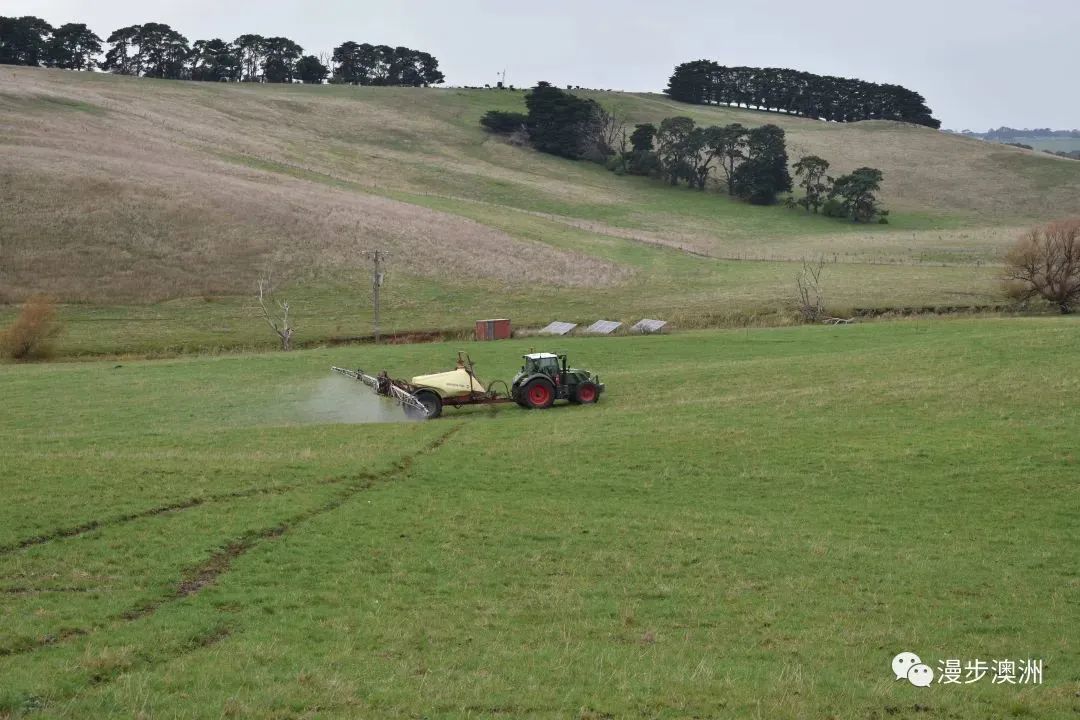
x=154, y=205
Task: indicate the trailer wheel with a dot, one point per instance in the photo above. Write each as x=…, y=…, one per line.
x=539, y=393
x=586, y=393
x=432, y=404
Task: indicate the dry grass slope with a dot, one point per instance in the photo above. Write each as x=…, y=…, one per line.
x=120, y=189
x=136, y=203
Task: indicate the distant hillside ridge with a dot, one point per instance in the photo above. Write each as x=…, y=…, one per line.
x=1008, y=133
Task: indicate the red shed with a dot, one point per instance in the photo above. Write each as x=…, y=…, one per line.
x=498, y=329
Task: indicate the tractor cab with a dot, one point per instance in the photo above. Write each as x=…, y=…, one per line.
x=544, y=364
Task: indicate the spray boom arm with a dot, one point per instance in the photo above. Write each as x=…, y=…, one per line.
x=383, y=385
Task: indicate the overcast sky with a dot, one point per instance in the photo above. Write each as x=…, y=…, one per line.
x=979, y=64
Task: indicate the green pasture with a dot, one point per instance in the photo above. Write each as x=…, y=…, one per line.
x=751, y=523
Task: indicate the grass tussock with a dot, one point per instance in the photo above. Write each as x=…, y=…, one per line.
x=28, y=336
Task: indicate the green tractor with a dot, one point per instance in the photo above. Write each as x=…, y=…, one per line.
x=545, y=378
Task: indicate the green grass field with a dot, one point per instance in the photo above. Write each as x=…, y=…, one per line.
x=750, y=524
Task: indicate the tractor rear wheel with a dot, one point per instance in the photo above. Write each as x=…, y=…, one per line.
x=539, y=393
x=586, y=393
x=432, y=406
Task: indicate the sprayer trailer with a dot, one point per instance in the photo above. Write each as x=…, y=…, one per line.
x=543, y=379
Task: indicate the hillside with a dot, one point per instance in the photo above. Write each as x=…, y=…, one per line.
x=123, y=191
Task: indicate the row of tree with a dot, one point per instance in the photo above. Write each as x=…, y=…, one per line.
x=754, y=166
x=851, y=196
x=157, y=50
x=800, y=93
x=749, y=163
x=32, y=41
x=754, y=161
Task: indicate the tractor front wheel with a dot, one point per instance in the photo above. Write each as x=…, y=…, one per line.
x=432, y=406
x=586, y=393
x=539, y=394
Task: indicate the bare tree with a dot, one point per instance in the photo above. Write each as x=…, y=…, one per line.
x=1045, y=263
x=275, y=312
x=810, y=300
x=607, y=136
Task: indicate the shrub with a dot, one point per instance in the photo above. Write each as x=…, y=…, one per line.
x=834, y=208
x=1045, y=263
x=502, y=122
x=28, y=336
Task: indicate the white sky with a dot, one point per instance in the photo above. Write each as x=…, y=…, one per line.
x=979, y=64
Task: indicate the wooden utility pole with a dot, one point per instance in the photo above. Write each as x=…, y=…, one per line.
x=376, y=284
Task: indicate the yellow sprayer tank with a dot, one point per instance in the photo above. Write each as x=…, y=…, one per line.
x=455, y=383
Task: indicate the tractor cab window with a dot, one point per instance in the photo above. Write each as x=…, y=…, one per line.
x=547, y=366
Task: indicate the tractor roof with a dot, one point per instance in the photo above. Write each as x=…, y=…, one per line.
x=539, y=356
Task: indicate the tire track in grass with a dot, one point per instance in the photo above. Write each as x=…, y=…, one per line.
x=20, y=590
x=102, y=676
x=179, y=506
x=220, y=562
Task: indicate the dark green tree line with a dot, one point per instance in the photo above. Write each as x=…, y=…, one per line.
x=157, y=50
x=825, y=97
x=73, y=46
x=23, y=40
x=561, y=123
x=311, y=71
x=279, y=62
x=214, y=61
x=152, y=50
x=365, y=64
